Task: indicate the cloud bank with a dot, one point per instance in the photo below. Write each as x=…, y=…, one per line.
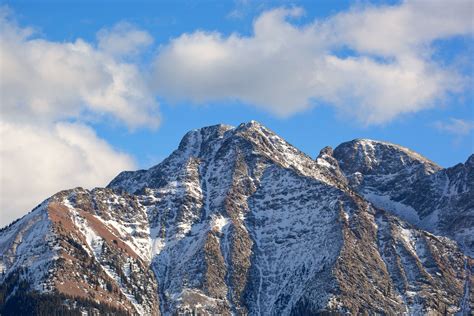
x=44, y=84
x=36, y=162
x=373, y=62
x=45, y=80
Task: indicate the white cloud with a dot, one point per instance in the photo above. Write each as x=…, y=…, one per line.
x=123, y=40
x=47, y=81
x=454, y=126
x=38, y=161
x=285, y=68
x=402, y=29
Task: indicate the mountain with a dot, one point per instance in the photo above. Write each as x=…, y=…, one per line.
x=238, y=221
x=414, y=188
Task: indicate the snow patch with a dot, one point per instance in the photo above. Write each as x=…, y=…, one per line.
x=218, y=222
x=406, y=212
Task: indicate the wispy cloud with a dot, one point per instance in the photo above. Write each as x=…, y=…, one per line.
x=123, y=39
x=454, y=126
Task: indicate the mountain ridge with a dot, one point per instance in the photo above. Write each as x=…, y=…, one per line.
x=238, y=221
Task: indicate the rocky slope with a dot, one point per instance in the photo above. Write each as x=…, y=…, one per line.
x=412, y=187
x=93, y=246
x=238, y=221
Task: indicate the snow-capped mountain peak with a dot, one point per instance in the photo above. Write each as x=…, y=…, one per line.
x=370, y=156
x=238, y=221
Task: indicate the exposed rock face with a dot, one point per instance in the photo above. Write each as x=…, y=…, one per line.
x=412, y=187
x=238, y=221
x=90, y=245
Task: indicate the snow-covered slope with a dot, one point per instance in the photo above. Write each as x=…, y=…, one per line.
x=412, y=187
x=238, y=221
x=90, y=245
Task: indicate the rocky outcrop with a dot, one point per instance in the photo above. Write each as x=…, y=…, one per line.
x=91, y=246
x=414, y=188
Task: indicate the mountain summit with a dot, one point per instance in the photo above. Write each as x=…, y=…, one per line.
x=238, y=221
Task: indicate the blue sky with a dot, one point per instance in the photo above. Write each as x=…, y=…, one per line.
x=318, y=73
